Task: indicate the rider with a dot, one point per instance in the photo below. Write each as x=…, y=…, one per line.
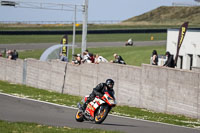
x=99, y=91
x=129, y=42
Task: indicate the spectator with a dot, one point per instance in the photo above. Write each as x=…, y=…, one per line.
x=87, y=52
x=86, y=58
x=170, y=60
x=9, y=54
x=63, y=57
x=63, y=54
x=154, y=58
x=118, y=59
x=77, y=60
x=14, y=55
x=92, y=58
x=99, y=59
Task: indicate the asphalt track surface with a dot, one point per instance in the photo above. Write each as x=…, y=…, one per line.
x=32, y=46
x=16, y=109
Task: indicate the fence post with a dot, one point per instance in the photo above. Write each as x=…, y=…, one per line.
x=24, y=72
x=64, y=78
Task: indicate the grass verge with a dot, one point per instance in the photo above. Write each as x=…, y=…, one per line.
x=132, y=55
x=69, y=100
x=23, y=127
x=13, y=39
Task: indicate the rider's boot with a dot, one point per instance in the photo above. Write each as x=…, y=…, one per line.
x=84, y=106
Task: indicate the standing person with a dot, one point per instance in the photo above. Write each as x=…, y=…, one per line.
x=99, y=59
x=118, y=59
x=154, y=58
x=99, y=90
x=63, y=54
x=170, y=60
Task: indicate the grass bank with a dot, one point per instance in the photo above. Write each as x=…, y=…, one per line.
x=132, y=55
x=61, y=27
x=69, y=100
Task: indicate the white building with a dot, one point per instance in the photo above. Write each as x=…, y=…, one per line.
x=189, y=54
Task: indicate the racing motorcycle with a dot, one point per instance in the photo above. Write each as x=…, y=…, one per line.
x=97, y=110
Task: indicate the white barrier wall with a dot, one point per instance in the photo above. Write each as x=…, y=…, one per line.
x=155, y=88
x=190, y=49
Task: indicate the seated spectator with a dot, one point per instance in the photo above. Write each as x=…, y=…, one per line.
x=118, y=59
x=87, y=52
x=99, y=59
x=9, y=54
x=88, y=57
x=77, y=59
x=92, y=58
x=14, y=55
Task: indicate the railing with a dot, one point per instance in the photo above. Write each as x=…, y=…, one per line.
x=185, y=4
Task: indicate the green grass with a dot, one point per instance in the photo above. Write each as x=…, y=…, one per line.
x=170, y=15
x=69, y=100
x=61, y=27
x=155, y=116
x=12, y=39
x=23, y=127
x=39, y=94
x=31, y=54
x=132, y=55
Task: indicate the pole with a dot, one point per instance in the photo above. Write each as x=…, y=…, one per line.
x=74, y=31
x=84, y=30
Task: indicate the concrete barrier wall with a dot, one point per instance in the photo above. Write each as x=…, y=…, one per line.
x=196, y=69
x=183, y=92
x=155, y=88
x=170, y=90
x=11, y=70
x=45, y=75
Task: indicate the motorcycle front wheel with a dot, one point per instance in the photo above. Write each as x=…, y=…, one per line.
x=79, y=116
x=101, y=114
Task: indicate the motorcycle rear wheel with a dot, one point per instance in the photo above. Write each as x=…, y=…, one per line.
x=101, y=114
x=79, y=116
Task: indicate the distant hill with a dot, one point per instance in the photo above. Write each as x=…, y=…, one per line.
x=164, y=15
